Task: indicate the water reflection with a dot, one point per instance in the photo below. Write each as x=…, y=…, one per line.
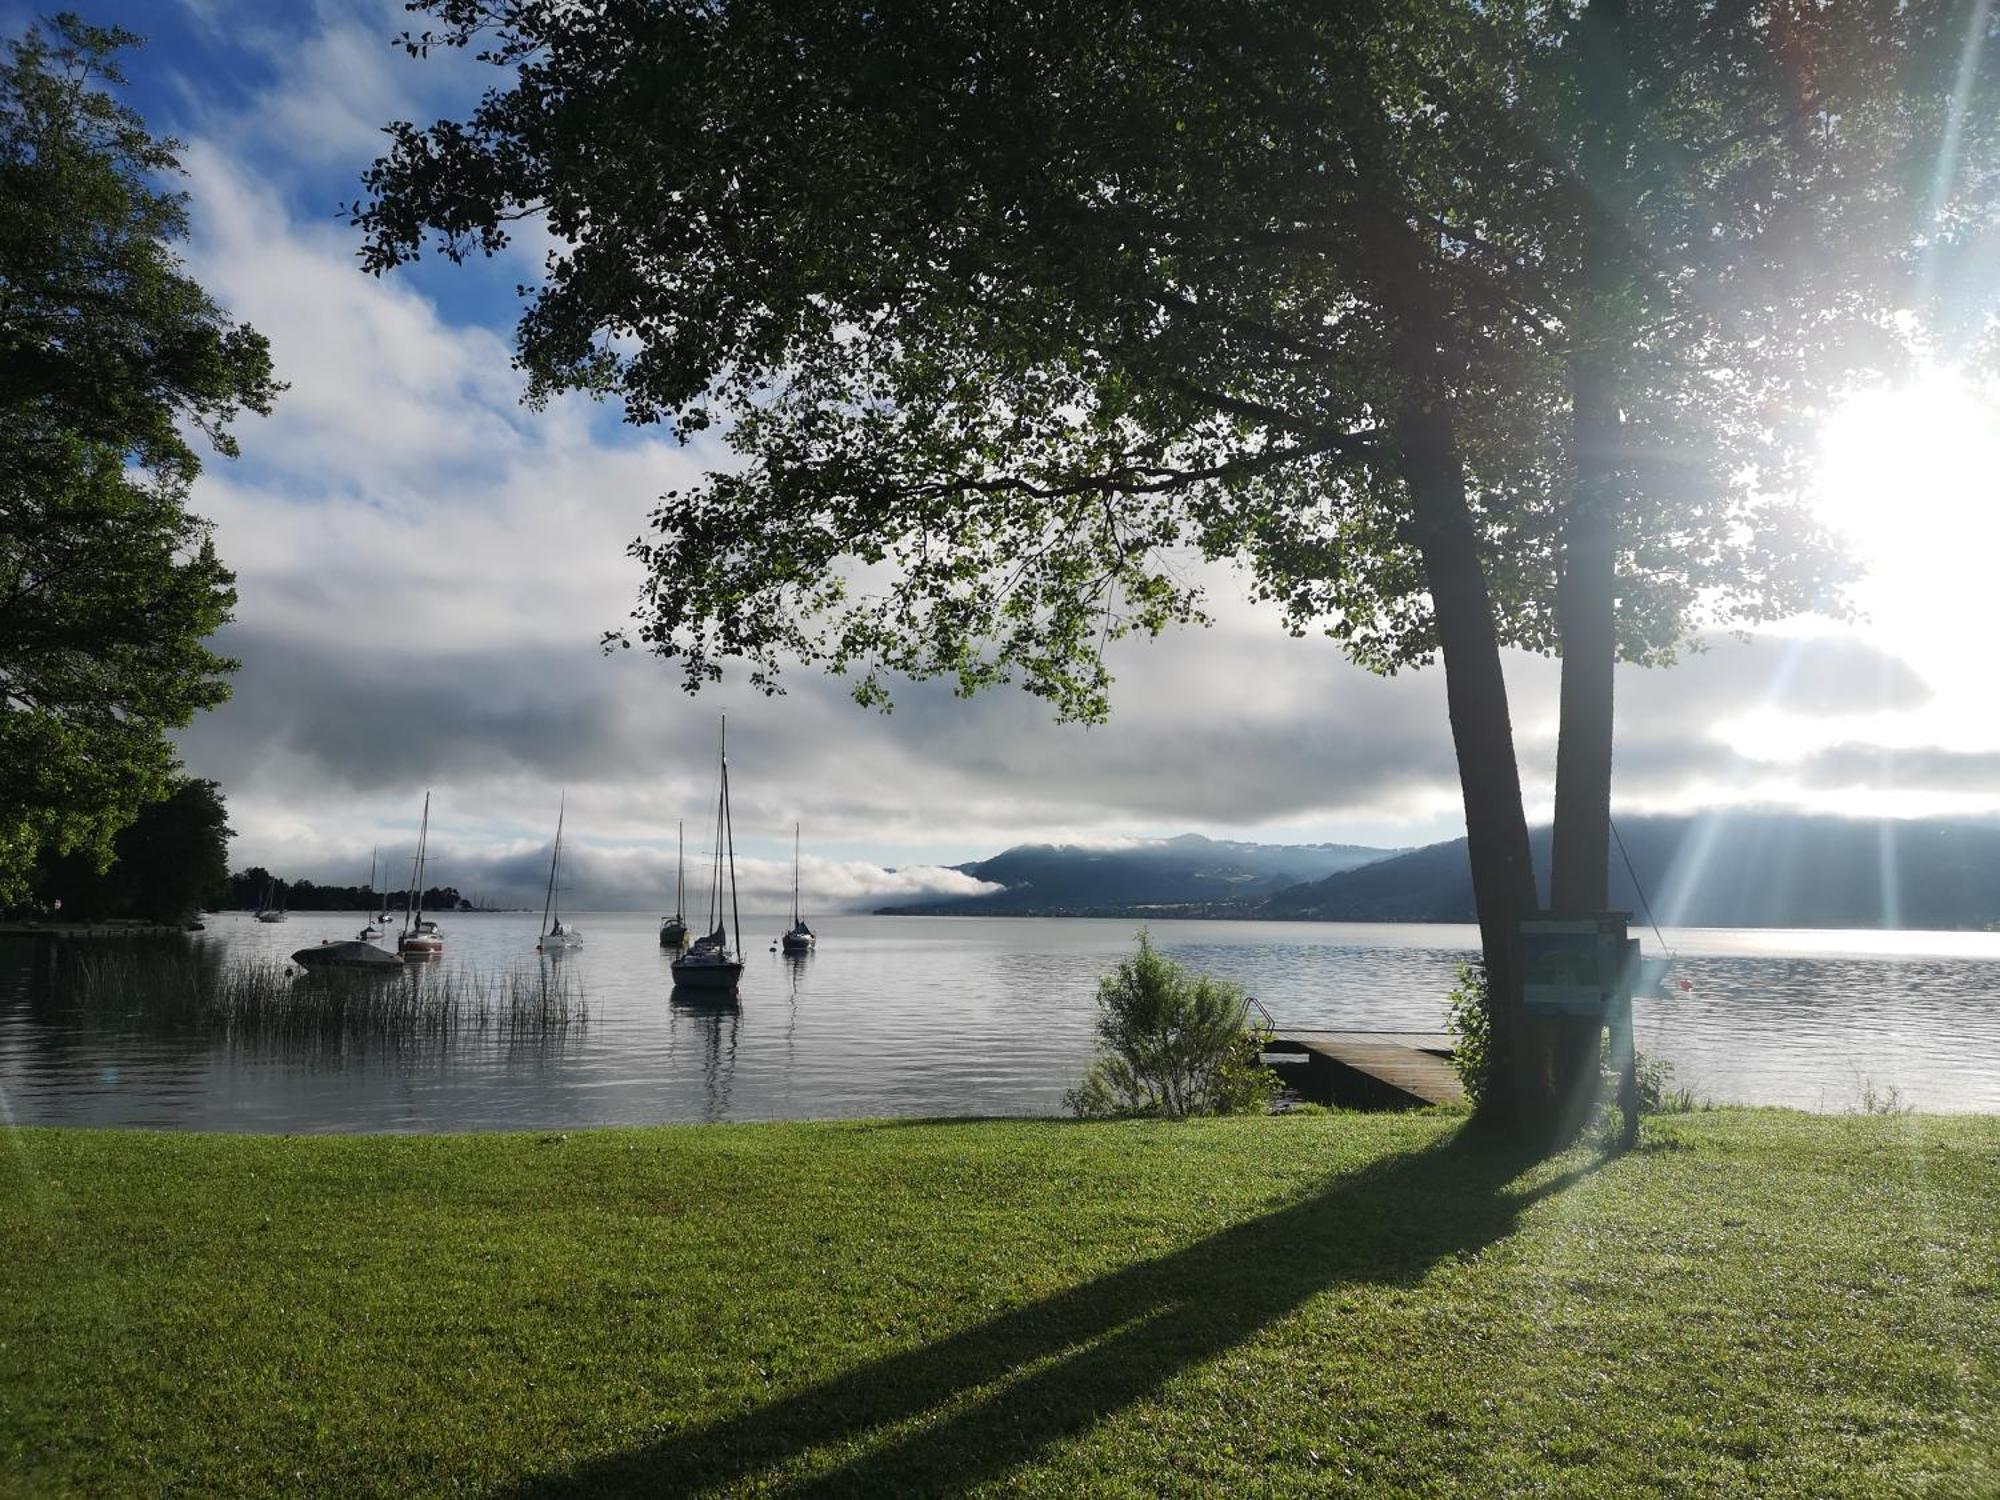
x=714, y=1026
x=894, y=1016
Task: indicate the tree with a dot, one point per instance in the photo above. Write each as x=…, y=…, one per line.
x=169, y=861
x=110, y=358
x=1748, y=233
x=1008, y=308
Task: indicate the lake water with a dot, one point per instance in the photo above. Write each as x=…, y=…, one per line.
x=963, y=1016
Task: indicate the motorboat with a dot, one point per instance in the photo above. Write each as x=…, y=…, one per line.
x=350, y=954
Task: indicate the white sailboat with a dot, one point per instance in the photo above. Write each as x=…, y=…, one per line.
x=712, y=964
x=558, y=936
x=674, y=930
x=421, y=938
x=371, y=928
x=800, y=938
x=266, y=912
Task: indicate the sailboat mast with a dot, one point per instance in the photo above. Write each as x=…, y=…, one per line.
x=372, y=853
x=721, y=801
x=729, y=834
x=549, y=900
x=680, y=872
x=413, y=909
x=795, y=874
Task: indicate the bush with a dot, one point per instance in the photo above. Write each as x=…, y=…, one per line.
x=1171, y=1043
x=1470, y=1023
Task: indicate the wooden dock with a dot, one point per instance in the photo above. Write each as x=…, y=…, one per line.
x=1367, y=1069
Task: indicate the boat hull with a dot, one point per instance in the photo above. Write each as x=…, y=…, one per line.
x=796, y=944
x=706, y=977
x=673, y=934
x=419, y=948
x=348, y=955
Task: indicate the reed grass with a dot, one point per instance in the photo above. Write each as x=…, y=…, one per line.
x=177, y=984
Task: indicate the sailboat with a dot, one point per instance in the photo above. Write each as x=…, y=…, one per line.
x=557, y=935
x=267, y=912
x=371, y=928
x=421, y=938
x=800, y=938
x=712, y=963
x=674, y=930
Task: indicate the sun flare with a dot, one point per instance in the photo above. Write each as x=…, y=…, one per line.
x=1910, y=477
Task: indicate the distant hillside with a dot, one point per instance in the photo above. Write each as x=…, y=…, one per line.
x=1715, y=870
x=1189, y=875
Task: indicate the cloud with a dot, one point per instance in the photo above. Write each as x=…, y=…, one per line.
x=1930, y=767
x=596, y=879
x=1805, y=676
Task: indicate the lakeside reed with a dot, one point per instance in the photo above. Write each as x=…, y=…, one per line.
x=173, y=983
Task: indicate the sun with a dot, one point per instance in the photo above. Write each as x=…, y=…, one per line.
x=1909, y=478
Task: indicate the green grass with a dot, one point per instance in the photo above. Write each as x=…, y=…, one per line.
x=1754, y=1302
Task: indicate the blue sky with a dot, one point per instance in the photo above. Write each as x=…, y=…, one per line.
x=425, y=569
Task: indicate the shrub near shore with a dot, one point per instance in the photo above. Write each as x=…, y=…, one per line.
x=1753, y=1303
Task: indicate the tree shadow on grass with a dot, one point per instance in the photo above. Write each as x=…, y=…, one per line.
x=1059, y=1366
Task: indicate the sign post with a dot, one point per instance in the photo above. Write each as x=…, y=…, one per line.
x=1588, y=967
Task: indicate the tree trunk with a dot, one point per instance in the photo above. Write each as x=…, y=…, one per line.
x=1580, y=850
x=1496, y=829
x=1586, y=616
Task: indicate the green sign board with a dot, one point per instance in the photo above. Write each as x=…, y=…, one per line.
x=1576, y=966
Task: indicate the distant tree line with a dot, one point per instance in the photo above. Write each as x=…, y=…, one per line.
x=247, y=890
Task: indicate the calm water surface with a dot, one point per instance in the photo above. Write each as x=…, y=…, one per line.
x=940, y=1015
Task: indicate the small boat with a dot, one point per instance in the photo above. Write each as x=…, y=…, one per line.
x=266, y=912
x=557, y=935
x=674, y=930
x=351, y=954
x=371, y=928
x=800, y=938
x=421, y=938
x=711, y=965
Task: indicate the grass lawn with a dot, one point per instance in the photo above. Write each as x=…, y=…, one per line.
x=1755, y=1302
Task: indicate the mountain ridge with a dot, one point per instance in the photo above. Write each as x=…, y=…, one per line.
x=1189, y=874
x=1717, y=869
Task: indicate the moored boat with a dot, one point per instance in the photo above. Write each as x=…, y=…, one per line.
x=800, y=938
x=421, y=938
x=371, y=928
x=674, y=930
x=558, y=936
x=349, y=954
x=712, y=965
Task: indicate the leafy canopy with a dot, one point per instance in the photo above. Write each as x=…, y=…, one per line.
x=1008, y=312
x=110, y=358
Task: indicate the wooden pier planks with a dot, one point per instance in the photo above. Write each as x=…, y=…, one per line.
x=1371, y=1069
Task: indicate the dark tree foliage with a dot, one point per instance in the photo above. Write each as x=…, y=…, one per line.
x=167, y=863
x=110, y=359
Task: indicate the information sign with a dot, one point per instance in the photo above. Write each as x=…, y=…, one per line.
x=1576, y=966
